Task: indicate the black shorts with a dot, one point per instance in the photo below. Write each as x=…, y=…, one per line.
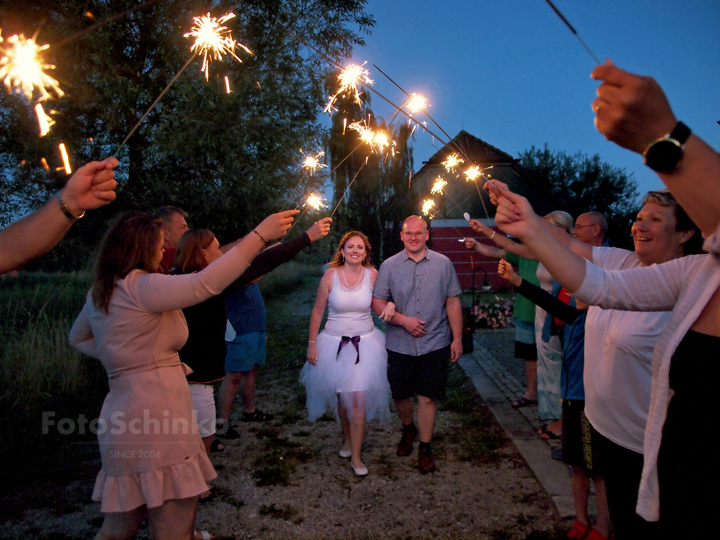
x=425, y=375
x=576, y=438
x=525, y=351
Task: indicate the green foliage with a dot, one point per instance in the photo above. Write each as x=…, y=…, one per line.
x=227, y=159
x=579, y=183
x=375, y=185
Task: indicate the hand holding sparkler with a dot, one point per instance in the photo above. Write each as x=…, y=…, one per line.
x=91, y=186
x=630, y=110
x=275, y=225
x=319, y=229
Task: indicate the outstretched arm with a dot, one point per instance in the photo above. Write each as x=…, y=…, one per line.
x=632, y=111
x=516, y=217
x=91, y=186
x=505, y=243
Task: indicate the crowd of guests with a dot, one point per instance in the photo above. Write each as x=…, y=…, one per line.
x=618, y=351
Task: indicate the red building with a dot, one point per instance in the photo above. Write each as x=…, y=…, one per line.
x=459, y=196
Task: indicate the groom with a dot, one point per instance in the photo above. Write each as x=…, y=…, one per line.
x=423, y=336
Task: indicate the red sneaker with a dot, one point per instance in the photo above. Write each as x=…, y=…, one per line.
x=579, y=530
x=594, y=534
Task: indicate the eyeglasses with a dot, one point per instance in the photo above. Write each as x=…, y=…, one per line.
x=581, y=226
x=414, y=234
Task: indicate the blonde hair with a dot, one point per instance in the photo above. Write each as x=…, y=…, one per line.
x=561, y=219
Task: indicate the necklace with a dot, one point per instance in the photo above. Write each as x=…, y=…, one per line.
x=345, y=282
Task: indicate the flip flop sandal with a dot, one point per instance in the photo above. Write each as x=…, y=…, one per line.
x=203, y=535
x=257, y=416
x=545, y=434
x=217, y=446
x=523, y=402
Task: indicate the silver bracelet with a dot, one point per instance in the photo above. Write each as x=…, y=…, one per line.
x=65, y=210
x=493, y=235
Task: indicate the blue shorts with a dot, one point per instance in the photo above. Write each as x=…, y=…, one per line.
x=245, y=352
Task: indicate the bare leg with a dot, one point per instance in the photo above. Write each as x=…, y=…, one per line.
x=531, y=374
x=604, y=524
x=405, y=410
x=427, y=409
x=581, y=492
x=173, y=520
x=227, y=393
x=345, y=424
x=207, y=443
x=247, y=389
x=121, y=525
x=357, y=427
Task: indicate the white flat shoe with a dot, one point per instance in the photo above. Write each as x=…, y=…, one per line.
x=345, y=453
x=359, y=471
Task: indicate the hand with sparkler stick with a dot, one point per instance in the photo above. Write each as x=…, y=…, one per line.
x=92, y=186
x=314, y=202
x=212, y=40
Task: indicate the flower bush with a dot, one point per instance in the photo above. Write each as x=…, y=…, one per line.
x=495, y=313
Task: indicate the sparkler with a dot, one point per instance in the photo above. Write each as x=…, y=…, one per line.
x=23, y=70
x=562, y=17
x=452, y=162
x=427, y=205
x=417, y=103
x=312, y=163
x=438, y=188
x=315, y=202
x=349, y=78
x=213, y=40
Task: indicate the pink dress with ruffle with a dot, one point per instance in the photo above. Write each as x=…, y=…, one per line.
x=149, y=440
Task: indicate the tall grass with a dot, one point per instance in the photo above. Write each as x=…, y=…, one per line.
x=39, y=370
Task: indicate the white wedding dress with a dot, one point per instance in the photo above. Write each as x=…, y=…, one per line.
x=359, y=368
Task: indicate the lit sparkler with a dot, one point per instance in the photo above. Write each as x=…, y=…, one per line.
x=438, y=186
x=416, y=103
x=349, y=78
x=473, y=173
x=377, y=140
x=312, y=163
x=452, y=162
x=315, y=202
x=22, y=68
x=428, y=204
x=213, y=40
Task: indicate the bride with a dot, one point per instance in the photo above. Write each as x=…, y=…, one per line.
x=348, y=359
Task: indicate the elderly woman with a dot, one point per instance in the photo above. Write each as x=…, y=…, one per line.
x=657, y=279
x=153, y=460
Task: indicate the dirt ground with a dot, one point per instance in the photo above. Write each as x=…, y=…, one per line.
x=284, y=479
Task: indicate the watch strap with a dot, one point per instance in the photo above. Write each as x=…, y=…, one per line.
x=681, y=133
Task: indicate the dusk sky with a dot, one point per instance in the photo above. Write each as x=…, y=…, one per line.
x=511, y=73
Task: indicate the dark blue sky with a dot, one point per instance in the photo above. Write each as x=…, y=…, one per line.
x=511, y=73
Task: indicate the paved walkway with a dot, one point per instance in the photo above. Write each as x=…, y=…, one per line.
x=500, y=379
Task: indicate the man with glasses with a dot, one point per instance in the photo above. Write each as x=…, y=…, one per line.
x=590, y=228
x=423, y=336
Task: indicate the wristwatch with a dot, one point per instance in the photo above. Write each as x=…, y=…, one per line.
x=663, y=154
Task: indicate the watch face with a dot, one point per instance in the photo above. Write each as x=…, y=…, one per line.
x=663, y=155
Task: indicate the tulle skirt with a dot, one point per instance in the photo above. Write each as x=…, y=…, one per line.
x=342, y=376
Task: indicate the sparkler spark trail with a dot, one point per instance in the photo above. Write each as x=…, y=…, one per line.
x=44, y=121
x=349, y=78
x=22, y=68
x=213, y=40
x=65, y=159
x=472, y=173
